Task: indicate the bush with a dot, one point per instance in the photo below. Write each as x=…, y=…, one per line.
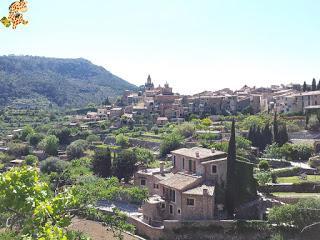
x=169, y=143
x=53, y=164
x=185, y=129
x=77, y=149
x=264, y=165
x=31, y=160
x=50, y=145
x=93, y=138
x=301, y=214
x=292, y=152
x=263, y=178
x=18, y=149
x=34, y=139
x=122, y=140
x=315, y=162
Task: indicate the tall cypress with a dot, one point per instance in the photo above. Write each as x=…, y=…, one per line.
x=275, y=128
x=314, y=85
x=318, y=86
x=231, y=174
x=304, y=87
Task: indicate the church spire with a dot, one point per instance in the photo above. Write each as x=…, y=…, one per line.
x=149, y=79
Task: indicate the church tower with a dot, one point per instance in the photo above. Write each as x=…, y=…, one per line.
x=149, y=84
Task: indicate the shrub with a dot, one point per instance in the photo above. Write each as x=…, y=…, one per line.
x=50, y=145
x=287, y=172
x=169, y=143
x=122, y=140
x=76, y=149
x=185, y=129
x=264, y=165
x=34, y=139
x=53, y=164
x=31, y=160
x=93, y=138
x=18, y=149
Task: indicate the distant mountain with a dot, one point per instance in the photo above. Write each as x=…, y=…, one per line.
x=62, y=82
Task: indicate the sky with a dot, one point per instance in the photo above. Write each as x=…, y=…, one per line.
x=194, y=45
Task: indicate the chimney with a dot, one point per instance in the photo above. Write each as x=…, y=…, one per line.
x=197, y=154
x=162, y=168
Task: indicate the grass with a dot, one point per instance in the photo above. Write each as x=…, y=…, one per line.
x=297, y=179
x=296, y=195
x=156, y=164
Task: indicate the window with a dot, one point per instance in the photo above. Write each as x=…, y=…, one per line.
x=156, y=186
x=190, y=202
x=183, y=163
x=171, y=209
x=142, y=182
x=172, y=195
x=179, y=211
x=214, y=169
x=190, y=165
x=174, y=161
x=163, y=205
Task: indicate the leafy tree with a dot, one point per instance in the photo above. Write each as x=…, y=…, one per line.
x=169, y=143
x=31, y=208
x=314, y=85
x=53, y=164
x=64, y=135
x=302, y=215
x=206, y=122
x=34, y=139
x=264, y=165
x=144, y=156
x=50, y=145
x=231, y=185
x=102, y=162
x=124, y=164
x=93, y=138
x=31, y=160
x=122, y=140
x=263, y=177
x=185, y=129
x=18, y=149
x=77, y=148
x=27, y=130
x=304, y=87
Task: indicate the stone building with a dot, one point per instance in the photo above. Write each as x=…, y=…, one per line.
x=187, y=191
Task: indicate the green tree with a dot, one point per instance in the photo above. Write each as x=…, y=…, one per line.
x=304, y=87
x=125, y=164
x=264, y=165
x=18, y=149
x=93, y=138
x=53, y=164
x=275, y=128
x=283, y=135
x=34, y=139
x=31, y=208
x=144, y=156
x=77, y=148
x=314, y=85
x=318, y=85
x=50, y=145
x=122, y=140
x=31, y=160
x=169, y=143
x=102, y=162
x=27, y=130
x=64, y=135
x=231, y=185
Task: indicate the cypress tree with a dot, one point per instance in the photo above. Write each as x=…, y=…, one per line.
x=275, y=128
x=102, y=162
x=267, y=135
x=318, y=86
x=283, y=135
x=314, y=85
x=231, y=174
x=304, y=87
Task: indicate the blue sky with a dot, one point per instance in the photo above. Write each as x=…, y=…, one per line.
x=195, y=45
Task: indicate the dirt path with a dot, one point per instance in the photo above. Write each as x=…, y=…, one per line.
x=94, y=230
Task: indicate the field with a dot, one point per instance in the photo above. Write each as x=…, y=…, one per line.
x=297, y=179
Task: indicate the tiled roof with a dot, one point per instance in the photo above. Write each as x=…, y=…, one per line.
x=192, y=152
x=180, y=181
x=199, y=190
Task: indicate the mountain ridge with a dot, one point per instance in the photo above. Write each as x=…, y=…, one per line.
x=65, y=82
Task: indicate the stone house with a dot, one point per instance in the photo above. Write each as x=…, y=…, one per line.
x=187, y=190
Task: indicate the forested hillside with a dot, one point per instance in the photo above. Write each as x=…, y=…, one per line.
x=62, y=82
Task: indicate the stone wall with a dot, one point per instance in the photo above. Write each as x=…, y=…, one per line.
x=304, y=187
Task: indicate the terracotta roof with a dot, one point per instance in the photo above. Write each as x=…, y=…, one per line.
x=203, y=152
x=180, y=181
x=199, y=190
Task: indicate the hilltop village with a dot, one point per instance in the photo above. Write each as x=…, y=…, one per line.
x=160, y=165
